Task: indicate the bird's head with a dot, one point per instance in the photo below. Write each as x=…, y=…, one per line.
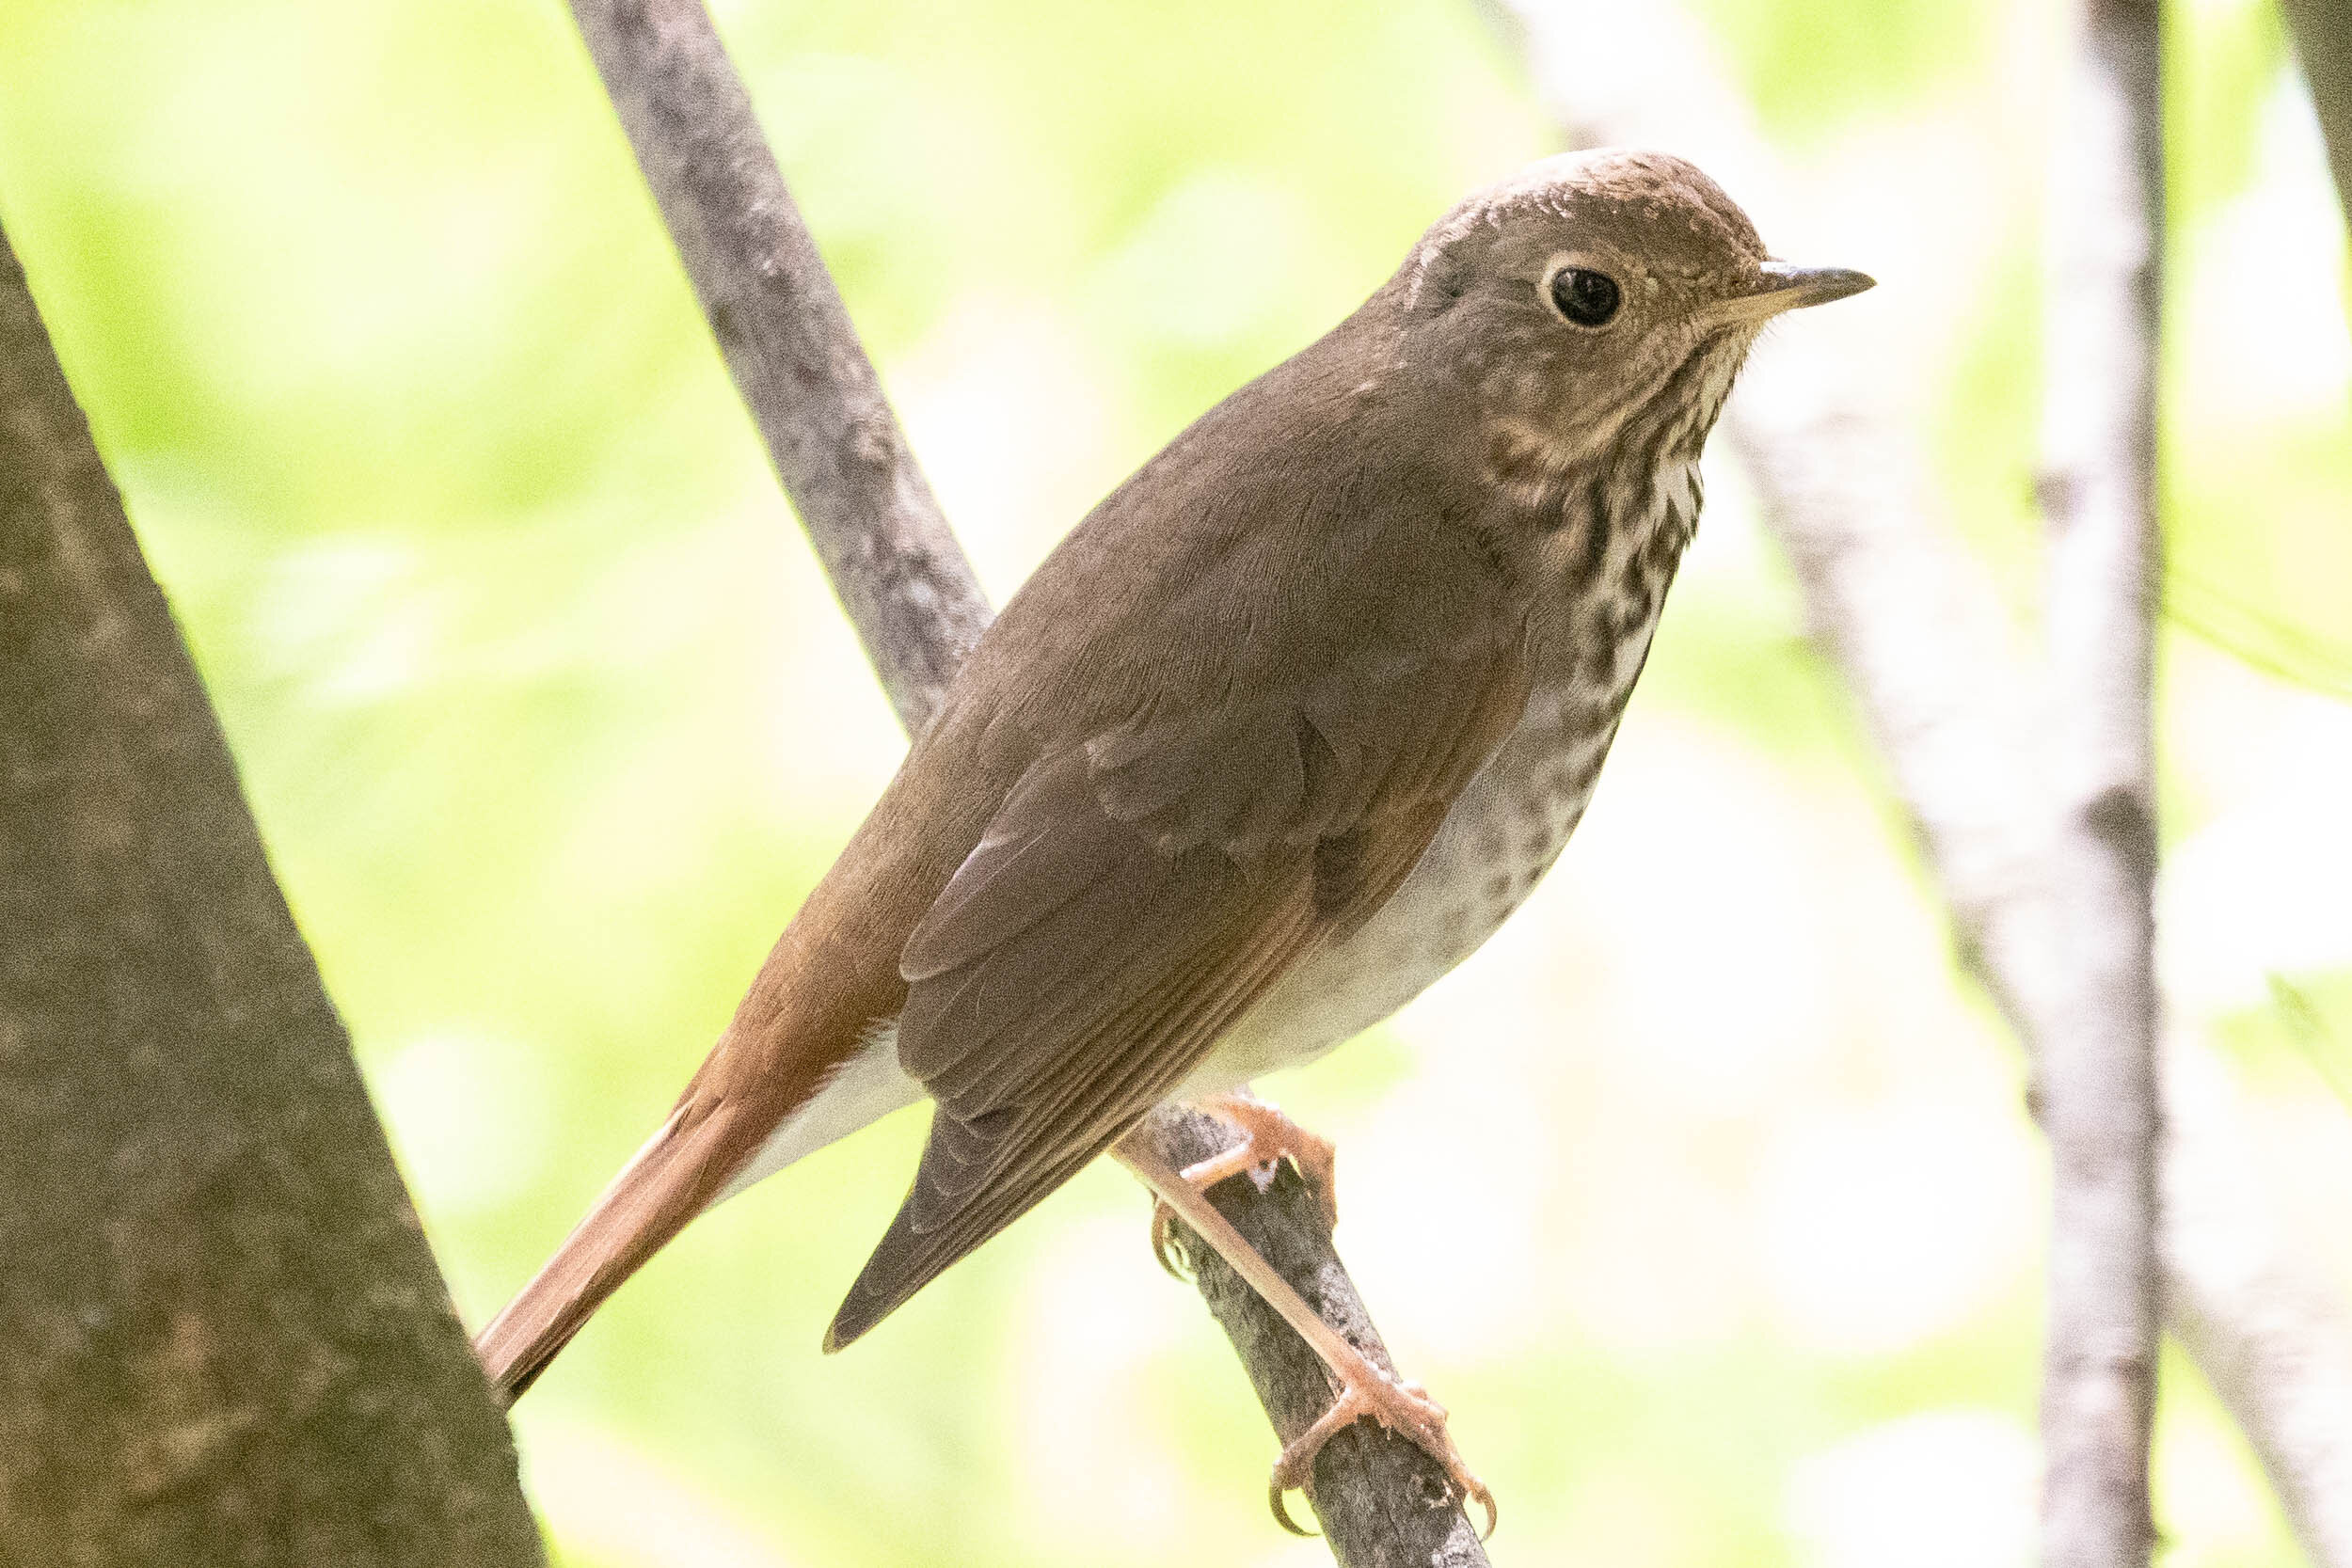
x=1593, y=293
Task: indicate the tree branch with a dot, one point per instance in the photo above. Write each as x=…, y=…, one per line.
x=2323, y=40
x=2098, y=1067
x=908, y=590
x=1381, y=1499
x=900, y=576
x=1927, y=651
x=222, y=1336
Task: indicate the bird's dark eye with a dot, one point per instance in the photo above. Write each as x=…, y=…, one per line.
x=1586, y=298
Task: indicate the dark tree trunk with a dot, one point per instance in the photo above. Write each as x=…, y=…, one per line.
x=222, y=1336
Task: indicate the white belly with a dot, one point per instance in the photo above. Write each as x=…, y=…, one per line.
x=1500, y=837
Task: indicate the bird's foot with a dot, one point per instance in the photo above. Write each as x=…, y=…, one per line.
x=1405, y=1408
x=1365, y=1389
x=1267, y=1136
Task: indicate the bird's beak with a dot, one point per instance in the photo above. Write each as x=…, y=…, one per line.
x=1782, y=286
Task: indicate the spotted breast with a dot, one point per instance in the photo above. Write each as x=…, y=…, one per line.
x=1611, y=568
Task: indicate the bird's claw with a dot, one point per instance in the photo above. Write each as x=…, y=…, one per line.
x=1267, y=1137
x=1165, y=1246
x=1404, y=1408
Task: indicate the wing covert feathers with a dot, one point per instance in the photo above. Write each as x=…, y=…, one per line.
x=1219, y=725
x=1134, y=896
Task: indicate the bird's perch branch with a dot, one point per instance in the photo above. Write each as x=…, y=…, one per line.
x=2097, y=1072
x=900, y=575
x=222, y=1336
x=911, y=593
x=1381, y=1499
x=1927, y=651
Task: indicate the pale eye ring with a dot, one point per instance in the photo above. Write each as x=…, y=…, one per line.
x=1585, y=296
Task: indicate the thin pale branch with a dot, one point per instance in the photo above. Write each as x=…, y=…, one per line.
x=2097, y=1069
x=908, y=590
x=2323, y=40
x=222, y=1336
x=1927, y=653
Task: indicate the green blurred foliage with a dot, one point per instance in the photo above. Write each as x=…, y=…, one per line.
x=549, y=721
x=1812, y=67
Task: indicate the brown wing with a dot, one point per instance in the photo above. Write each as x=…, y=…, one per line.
x=1136, y=894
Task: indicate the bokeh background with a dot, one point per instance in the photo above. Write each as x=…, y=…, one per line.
x=1705, y=1195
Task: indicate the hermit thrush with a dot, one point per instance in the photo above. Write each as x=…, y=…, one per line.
x=1278, y=735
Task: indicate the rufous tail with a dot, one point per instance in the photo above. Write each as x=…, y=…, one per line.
x=672, y=1178
x=831, y=978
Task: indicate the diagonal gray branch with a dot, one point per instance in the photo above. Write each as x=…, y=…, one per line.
x=900, y=575
x=222, y=1336
x=2098, y=1069
x=1381, y=1500
x=908, y=590
x=1927, y=651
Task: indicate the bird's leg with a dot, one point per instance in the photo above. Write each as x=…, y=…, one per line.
x=1364, y=1389
x=1266, y=1136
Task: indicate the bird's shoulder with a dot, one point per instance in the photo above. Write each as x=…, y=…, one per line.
x=1302, y=532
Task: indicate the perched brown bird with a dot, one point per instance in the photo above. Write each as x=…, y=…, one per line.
x=1277, y=735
